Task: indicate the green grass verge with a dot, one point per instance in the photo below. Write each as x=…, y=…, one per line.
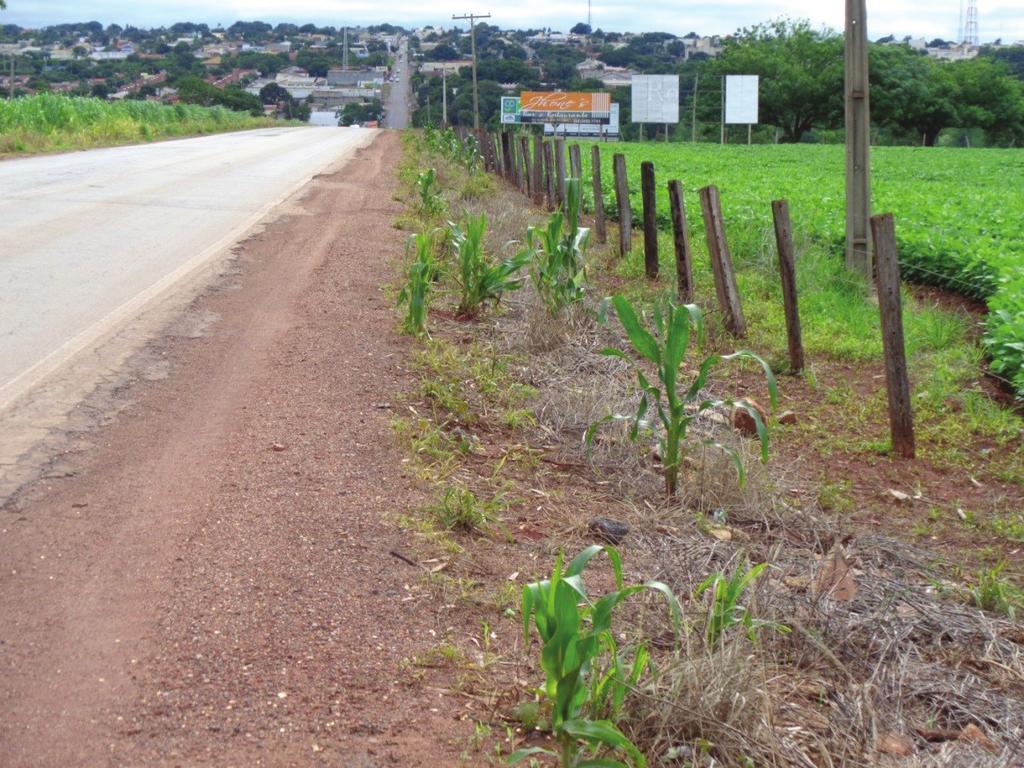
x=46, y=122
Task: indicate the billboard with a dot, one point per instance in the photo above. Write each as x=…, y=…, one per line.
x=741, y=99
x=656, y=99
x=511, y=114
x=564, y=107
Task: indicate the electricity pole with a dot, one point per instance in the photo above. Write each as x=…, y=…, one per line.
x=472, y=17
x=444, y=97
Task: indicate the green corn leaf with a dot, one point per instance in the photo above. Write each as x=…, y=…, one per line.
x=521, y=754
x=641, y=340
x=604, y=733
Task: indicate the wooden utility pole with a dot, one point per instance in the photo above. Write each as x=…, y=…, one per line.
x=472, y=17
x=444, y=97
x=858, y=115
x=901, y=422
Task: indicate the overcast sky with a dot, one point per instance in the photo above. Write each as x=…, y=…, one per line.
x=940, y=18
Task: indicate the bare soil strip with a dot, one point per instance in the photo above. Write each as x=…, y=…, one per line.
x=211, y=583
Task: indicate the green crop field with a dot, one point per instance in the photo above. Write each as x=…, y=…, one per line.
x=47, y=122
x=959, y=213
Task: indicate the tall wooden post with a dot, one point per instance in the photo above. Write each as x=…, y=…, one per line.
x=858, y=116
x=650, y=219
x=595, y=172
x=901, y=422
x=622, y=200
x=787, y=269
x=721, y=263
x=524, y=160
x=681, y=239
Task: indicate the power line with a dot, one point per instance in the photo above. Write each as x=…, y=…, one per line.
x=472, y=17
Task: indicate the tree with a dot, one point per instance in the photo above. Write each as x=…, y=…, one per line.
x=910, y=93
x=272, y=93
x=801, y=73
x=990, y=98
x=581, y=29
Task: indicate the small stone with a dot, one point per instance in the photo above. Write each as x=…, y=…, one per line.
x=277, y=447
x=743, y=421
x=612, y=531
x=788, y=418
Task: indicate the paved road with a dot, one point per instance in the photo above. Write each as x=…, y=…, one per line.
x=89, y=238
x=398, y=99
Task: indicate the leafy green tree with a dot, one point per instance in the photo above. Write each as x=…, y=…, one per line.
x=911, y=94
x=801, y=73
x=990, y=98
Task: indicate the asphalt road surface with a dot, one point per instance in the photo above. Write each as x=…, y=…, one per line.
x=398, y=97
x=89, y=238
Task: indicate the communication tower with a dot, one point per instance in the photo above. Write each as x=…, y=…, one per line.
x=971, y=25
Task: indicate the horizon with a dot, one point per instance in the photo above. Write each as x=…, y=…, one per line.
x=996, y=21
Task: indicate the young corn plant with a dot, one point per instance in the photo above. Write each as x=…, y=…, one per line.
x=726, y=611
x=479, y=281
x=676, y=404
x=415, y=294
x=430, y=204
x=577, y=642
x=556, y=253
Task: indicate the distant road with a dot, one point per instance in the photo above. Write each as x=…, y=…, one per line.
x=89, y=238
x=398, y=98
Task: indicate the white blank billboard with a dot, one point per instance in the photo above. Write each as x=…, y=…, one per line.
x=741, y=99
x=655, y=99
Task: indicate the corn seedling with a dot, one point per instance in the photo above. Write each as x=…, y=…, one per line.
x=577, y=640
x=478, y=280
x=675, y=407
x=460, y=509
x=556, y=253
x=415, y=294
x=430, y=205
x=726, y=610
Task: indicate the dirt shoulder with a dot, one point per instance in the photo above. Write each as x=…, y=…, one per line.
x=209, y=581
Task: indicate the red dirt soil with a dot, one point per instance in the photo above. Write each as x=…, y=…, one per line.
x=211, y=585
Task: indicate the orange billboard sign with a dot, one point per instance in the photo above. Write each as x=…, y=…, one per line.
x=564, y=106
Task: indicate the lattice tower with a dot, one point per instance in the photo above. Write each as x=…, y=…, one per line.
x=971, y=25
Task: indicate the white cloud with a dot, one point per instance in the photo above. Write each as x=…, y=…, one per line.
x=997, y=18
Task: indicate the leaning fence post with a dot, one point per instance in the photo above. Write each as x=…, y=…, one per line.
x=537, y=179
x=595, y=170
x=901, y=421
x=721, y=263
x=560, y=171
x=787, y=268
x=622, y=199
x=549, y=174
x=506, y=156
x=681, y=239
x=650, y=219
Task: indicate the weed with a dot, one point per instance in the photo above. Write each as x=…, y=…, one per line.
x=836, y=497
x=460, y=510
x=995, y=593
x=431, y=205
x=576, y=635
x=676, y=408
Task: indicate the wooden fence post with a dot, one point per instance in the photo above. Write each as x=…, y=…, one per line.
x=525, y=182
x=560, y=171
x=575, y=162
x=537, y=179
x=901, y=421
x=681, y=238
x=622, y=199
x=595, y=170
x=549, y=174
x=787, y=268
x=506, y=156
x=721, y=263
x=650, y=219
